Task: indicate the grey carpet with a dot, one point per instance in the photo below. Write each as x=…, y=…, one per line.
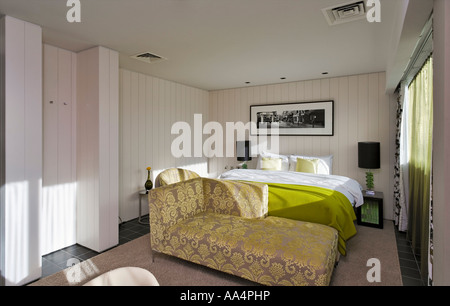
x=352, y=269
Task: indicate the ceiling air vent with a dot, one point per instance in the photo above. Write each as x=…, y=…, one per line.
x=148, y=57
x=345, y=12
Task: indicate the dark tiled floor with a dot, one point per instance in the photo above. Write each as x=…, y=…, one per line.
x=409, y=263
x=130, y=230
x=61, y=259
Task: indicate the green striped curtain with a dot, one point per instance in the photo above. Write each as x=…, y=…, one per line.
x=420, y=132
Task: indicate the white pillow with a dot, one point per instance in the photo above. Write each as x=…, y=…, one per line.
x=325, y=167
x=284, y=160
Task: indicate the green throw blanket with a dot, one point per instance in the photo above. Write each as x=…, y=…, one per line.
x=314, y=204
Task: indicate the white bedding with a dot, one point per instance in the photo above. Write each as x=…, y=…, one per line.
x=347, y=186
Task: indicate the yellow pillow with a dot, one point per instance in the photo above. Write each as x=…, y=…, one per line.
x=307, y=165
x=269, y=163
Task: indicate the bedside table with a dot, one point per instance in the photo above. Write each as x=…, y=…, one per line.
x=142, y=194
x=371, y=212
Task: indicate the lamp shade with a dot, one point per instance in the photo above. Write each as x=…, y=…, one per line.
x=369, y=155
x=243, y=150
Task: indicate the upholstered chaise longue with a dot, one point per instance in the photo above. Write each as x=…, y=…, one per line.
x=224, y=225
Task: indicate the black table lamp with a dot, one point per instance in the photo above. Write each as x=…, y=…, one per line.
x=243, y=152
x=369, y=158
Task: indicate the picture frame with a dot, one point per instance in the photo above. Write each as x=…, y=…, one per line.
x=313, y=118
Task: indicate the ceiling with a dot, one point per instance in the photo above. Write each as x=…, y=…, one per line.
x=218, y=44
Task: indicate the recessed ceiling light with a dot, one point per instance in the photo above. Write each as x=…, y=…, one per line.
x=283, y=78
x=325, y=72
x=247, y=82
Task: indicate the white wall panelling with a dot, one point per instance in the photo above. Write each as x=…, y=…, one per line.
x=97, y=148
x=148, y=108
x=58, y=213
x=362, y=112
x=441, y=144
x=2, y=153
x=22, y=152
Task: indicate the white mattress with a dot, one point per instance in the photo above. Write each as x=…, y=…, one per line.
x=347, y=186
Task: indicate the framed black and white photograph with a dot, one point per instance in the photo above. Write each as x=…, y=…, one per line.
x=300, y=118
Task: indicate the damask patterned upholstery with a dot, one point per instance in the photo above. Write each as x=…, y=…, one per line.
x=174, y=175
x=224, y=225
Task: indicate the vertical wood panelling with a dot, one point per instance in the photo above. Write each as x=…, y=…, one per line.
x=16, y=192
x=300, y=95
x=64, y=116
x=21, y=100
x=308, y=97
x=441, y=143
x=363, y=107
x=97, y=147
x=33, y=140
x=149, y=107
x=316, y=140
x=83, y=182
x=324, y=142
x=386, y=125
x=134, y=133
x=342, y=131
x=361, y=113
x=113, y=200
x=141, y=124
x=125, y=140
x=373, y=107
x=2, y=153
x=14, y=91
x=149, y=110
x=50, y=123
x=87, y=128
x=212, y=112
x=107, y=213
x=74, y=117
x=58, y=213
x=352, y=143
x=335, y=91
x=102, y=213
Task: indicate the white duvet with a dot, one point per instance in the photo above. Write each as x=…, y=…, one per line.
x=347, y=186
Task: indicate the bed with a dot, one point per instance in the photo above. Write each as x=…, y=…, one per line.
x=318, y=198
